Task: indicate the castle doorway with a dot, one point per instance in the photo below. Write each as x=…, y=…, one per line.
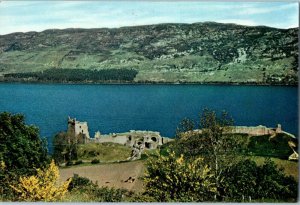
x=148, y=145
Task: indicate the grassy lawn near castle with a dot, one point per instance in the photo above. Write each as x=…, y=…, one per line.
x=289, y=167
x=104, y=152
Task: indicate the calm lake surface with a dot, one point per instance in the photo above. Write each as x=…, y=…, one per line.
x=120, y=108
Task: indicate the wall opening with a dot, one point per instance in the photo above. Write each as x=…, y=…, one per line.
x=153, y=139
x=148, y=145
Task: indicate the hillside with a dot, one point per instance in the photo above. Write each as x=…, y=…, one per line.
x=188, y=53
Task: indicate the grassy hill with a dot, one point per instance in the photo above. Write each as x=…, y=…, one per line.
x=187, y=53
x=104, y=152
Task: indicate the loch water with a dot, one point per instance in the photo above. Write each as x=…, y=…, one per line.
x=120, y=108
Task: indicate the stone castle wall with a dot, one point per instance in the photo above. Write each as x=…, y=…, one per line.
x=148, y=139
x=78, y=127
x=254, y=131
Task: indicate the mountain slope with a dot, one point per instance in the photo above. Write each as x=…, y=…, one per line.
x=200, y=52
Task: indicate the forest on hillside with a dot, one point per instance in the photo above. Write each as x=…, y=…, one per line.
x=77, y=75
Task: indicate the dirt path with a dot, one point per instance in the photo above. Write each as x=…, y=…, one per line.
x=110, y=175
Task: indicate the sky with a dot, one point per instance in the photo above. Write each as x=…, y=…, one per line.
x=24, y=16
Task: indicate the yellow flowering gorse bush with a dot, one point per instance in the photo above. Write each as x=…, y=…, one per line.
x=43, y=186
x=171, y=178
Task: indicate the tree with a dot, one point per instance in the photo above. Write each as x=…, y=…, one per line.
x=246, y=181
x=42, y=186
x=272, y=183
x=185, y=125
x=218, y=146
x=235, y=179
x=239, y=181
x=175, y=179
x=212, y=141
x=21, y=150
x=65, y=146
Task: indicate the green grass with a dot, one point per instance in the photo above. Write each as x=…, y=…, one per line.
x=289, y=167
x=105, y=152
x=276, y=147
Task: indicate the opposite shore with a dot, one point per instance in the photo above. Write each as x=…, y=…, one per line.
x=142, y=83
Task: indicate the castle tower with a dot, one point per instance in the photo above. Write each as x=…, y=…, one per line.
x=76, y=127
x=278, y=129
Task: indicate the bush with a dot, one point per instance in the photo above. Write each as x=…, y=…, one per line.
x=42, y=187
x=173, y=179
x=246, y=181
x=78, y=162
x=65, y=147
x=141, y=197
x=106, y=194
x=93, y=193
x=69, y=163
x=21, y=151
x=95, y=161
x=79, y=182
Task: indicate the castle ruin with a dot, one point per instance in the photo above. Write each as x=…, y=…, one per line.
x=140, y=140
x=78, y=127
x=133, y=138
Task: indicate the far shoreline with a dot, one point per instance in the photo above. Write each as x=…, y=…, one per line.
x=143, y=83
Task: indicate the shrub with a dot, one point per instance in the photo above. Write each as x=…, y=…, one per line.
x=106, y=194
x=21, y=151
x=65, y=147
x=95, y=161
x=141, y=197
x=176, y=179
x=43, y=186
x=79, y=182
x=78, y=162
x=272, y=183
x=93, y=193
x=239, y=181
x=69, y=163
x=246, y=181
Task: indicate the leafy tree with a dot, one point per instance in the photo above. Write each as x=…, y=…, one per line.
x=21, y=150
x=212, y=141
x=174, y=179
x=43, y=186
x=65, y=147
x=239, y=181
x=218, y=146
x=246, y=181
x=185, y=125
x=272, y=183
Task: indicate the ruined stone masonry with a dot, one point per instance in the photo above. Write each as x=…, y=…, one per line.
x=140, y=140
x=133, y=138
x=78, y=127
x=259, y=131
